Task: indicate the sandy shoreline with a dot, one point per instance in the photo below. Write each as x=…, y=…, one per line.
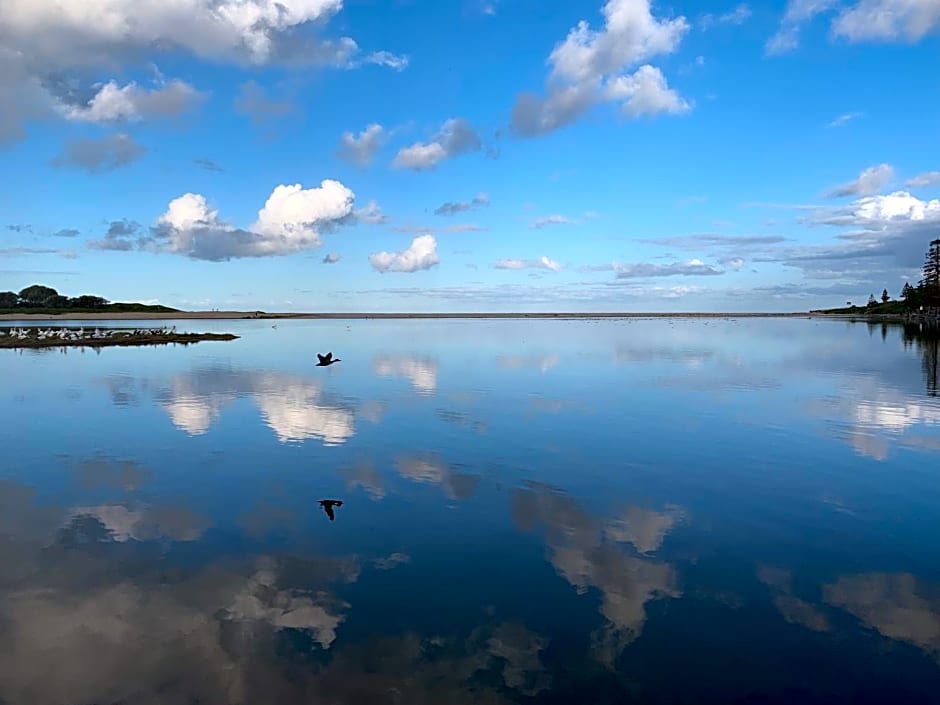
x=232, y=315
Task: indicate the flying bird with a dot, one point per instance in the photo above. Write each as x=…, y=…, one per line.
x=328, y=505
x=327, y=359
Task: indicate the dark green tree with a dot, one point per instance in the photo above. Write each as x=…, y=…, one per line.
x=931, y=281
x=37, y=294
x=885, y=298
x=87, y=301
x=871, y=300
x=9, y=299
x=57, y=301
x=907, y=291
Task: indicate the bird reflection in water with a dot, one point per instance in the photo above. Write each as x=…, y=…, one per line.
x=328, y=505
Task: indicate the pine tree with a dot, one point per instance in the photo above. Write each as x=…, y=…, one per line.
x=884, y=297
x=931, y=279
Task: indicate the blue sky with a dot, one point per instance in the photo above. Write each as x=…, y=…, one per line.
x=435, y=155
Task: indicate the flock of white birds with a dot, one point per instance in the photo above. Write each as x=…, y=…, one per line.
x=80, y=333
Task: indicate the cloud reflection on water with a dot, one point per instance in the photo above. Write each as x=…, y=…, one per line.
x=121, y=625
x=420, y=370
x=580, y=554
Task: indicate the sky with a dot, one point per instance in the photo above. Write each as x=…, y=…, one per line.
x=469, y=155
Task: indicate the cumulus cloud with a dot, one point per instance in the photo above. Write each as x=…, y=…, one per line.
x=455, y=137
x=738, y=16
x=454, y=207
x=865, y=20
x=44, y=39
x=371, y=214
x=589, y=66
x=121, y=236
x=694, y=267
x=925, y=180
x=291, y=220
x=361, y=149
x=646, y=92
x=255, y=31
x=131, y=103
x=100, y=155
x=420, y=254
x=540, y=263
x=868, y=183
x=555, y=219
x=888, y=20
x=884, y=236
x=331, y=258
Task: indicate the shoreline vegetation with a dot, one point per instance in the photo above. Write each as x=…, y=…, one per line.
x=233, y=315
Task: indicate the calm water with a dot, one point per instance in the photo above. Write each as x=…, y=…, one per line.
x=656, y=511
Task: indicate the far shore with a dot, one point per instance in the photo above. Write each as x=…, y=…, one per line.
x=231, y=315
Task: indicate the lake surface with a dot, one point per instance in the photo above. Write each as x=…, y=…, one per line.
x=592, y=511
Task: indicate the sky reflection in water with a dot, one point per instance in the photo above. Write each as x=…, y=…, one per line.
x=533, y=511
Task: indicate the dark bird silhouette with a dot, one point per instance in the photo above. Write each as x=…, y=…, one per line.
x=327, y=359
x=328, y=505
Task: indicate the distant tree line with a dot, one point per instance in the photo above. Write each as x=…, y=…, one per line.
x=39, y=296
x=927, y=291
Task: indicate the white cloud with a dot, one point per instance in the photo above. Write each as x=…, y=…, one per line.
x=738, y=16
x=91, y=30
x=797, y=13
x=733, y=262
x=876, y=212
x=928, y=178
x=41, y=39
x=694, y=267
x=420, y=254
x=845, y=118
x=113, y=103
x=291, y=220
x=456, y=136
x=887, y=20
x=865, y=20
x=587, y=62
x=868, y=183
x=331, y=258
x=540, y=263
x=646, y=93
x=555, y=219
x=362, y=149
x=371, y=214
